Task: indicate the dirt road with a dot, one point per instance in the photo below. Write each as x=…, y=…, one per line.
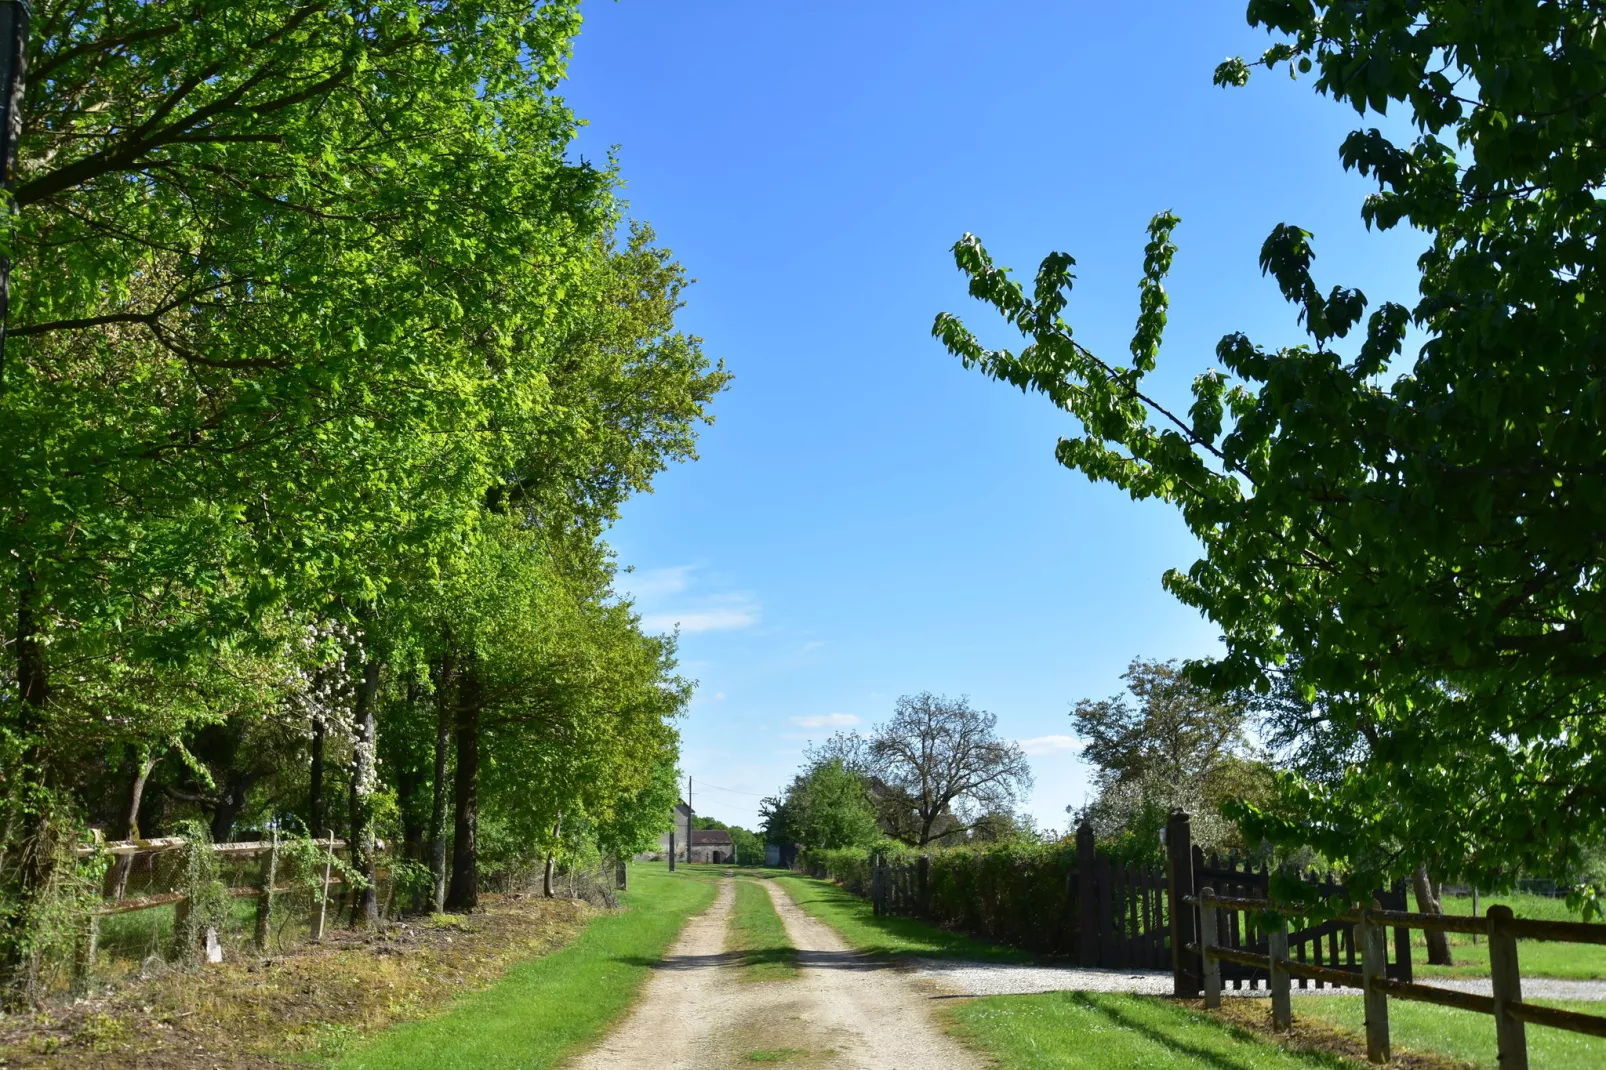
x=842, y=1011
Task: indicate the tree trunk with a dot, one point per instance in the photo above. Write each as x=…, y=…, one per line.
x=1428, y=903
x=445, y=690
x=38, y=855
x=551, y=857
x=315, y=822
x=365, y=911
x=463, y=895
x=118, y=884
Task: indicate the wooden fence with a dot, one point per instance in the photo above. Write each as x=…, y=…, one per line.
x=1505, y=1004
x=1108, y=915
x=1115, y=916
x=1329, y=943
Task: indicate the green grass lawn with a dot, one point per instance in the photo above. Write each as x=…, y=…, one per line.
x=549, y=1007
x=1106, y=1031
x=1538, y=958
x=1462, y=1034
x=853, y=918
x=756, y=933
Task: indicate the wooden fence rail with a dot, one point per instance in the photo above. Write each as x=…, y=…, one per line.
x=1510, y=1013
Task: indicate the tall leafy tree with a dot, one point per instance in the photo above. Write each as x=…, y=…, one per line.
x=1415, y=536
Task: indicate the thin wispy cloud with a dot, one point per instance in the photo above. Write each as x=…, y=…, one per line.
x=827, y=720
x=1040, y=745
x=668, y=599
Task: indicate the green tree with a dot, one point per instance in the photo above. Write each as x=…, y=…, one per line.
x=1415, y=537
x=826, y=806
x=1166, y=744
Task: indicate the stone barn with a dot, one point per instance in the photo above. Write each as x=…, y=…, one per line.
x=712, y=845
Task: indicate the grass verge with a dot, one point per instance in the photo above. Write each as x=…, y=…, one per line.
x=1539, y=958
x=853, y=918
x=547, y=1008
x=1111, y=1031
x=755, y=932
x=1461, y=1035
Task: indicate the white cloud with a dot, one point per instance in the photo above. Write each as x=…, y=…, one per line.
x=1039, y=745
x=649, y=583
x=666, y=601
x=827, y=720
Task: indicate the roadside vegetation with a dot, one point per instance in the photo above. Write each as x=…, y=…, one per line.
x=1467, y=1038
x=549, y=1007
x=1107, y=1031
x=853, y=917
x=757, y=935
x=1538, y=958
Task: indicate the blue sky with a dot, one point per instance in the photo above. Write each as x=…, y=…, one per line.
x=868, y=519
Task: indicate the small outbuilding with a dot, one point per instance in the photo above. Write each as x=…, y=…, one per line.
x=712, y=845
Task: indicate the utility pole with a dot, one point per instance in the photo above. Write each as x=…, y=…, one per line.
x=14, y=16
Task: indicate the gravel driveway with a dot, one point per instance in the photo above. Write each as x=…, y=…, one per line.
x=844, y=1008
x=1002, y=979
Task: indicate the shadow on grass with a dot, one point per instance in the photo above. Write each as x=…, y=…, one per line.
x=901, y=937
x=1109, y=1008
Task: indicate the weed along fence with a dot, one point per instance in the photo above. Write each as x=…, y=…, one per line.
x=171, y=878
x=1511, y=1014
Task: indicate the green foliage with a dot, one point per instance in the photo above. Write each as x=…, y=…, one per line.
x=551, y=1007
x=327, y=366
x=1014, y=893
x=827, y=806
x=852, y=917
x=1113, y=1031
x=1410, y=538
x=757, y=936
x=206, y=902
x=1177, y=747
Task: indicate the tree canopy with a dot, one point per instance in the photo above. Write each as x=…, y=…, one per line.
x=328, y=365
x=1411, y=537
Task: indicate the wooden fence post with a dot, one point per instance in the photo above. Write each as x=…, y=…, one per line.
x=270, y=876
x=1179, y=886
x=876, y=879
x=1511, y=1034
x=323, y=898
x=1207, y=943
x=923, y=886
x=1086, y=892
x=1374, y=967
x=1282, y=1011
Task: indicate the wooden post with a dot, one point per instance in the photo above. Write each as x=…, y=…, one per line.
x=1207, y=944
x=323, y=899
x=1179, y=886
x=270, y=875
x=875, y=885
x=1282, y=1011
x=923, y=886
x=1511, y=1034
x=671, y=851
x=1474, y=912
x=1086, y=892
x=88, y=947
x=1374, y=967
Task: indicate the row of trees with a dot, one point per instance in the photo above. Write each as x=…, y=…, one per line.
x=1405, y=548
x=936, y=772
x=327, y=366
